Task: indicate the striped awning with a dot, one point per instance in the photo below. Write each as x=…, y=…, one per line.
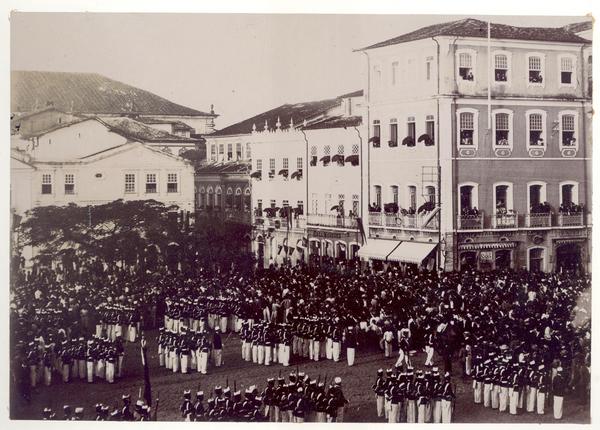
x=411, y=252
x=486, y=245
x=377, y=249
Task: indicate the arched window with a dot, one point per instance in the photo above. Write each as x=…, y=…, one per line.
x=247, y=200
x=218, y=198
x=568, y=123
x=536, y=69
x=238, y=199
x=201, y=197
x=209, y=197
x=229, y=199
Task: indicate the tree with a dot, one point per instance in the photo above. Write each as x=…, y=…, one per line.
x=115, y=231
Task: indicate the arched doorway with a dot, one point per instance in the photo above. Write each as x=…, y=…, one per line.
x=568, y=257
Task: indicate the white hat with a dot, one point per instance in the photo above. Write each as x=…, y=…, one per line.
x=337, y=380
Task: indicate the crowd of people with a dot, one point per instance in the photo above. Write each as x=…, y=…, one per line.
x=288, y=313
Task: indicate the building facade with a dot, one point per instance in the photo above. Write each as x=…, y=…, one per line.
x=480, y=147
x=296, y=217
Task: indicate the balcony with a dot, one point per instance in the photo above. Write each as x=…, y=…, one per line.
x=407, y=222
x=375, y=218
x=538, y=220
x=570, y=220
x=332, y=221
x=470, y=222
x=298, y=222
x=507, y=220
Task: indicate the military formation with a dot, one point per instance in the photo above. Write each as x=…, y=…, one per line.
x=118, y=321
x=140, y=411
x=403, y=395
x=519, y=383
x=92, y=359
x=300, y=338
x=300, y=399
x=496, y=324
x=189, y=350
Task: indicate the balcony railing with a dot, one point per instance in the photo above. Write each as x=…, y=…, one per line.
x=409, y=222
x=375, y=218
x=470, y=222
x=570, y=220
x=332, y=221
x=508, y=220
x=281, y=222
x=538, y=220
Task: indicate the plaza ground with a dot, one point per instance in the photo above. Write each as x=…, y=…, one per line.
x=357, y=381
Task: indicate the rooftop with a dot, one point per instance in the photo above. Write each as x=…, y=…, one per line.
x=335, y=122
x=298, y=112
x=476, y=28
x=224, y=167
x=135, y=130
x=88, y=93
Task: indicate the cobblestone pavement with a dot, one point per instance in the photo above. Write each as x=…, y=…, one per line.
x=357, y=381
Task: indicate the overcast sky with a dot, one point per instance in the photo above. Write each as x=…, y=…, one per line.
x=243, y=64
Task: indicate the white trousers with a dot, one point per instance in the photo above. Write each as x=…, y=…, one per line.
x=380, y=405
x=90, y=371
x=329, y=349
x=429, y=354
x=541, y=400
x=350, y=356
x=203, y=362
x=557, y=407
x=218, y=357
x=437, y=411
x=446, y=411
x=268, y=350
x=286, y=355
x=531, y=397
x=336, y=351
x=110, y=372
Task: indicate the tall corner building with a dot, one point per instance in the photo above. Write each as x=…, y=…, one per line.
x=479, y=149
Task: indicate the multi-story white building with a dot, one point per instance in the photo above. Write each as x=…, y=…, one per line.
x=295, y=150
x=480, y=147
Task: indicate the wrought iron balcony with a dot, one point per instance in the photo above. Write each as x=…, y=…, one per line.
x=570, y=220
x=471, y=222
x=506, y=220
x=332, y=221
x=538, y=220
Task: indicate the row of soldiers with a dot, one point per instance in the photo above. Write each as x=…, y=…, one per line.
x=414, y=396
x=301, y=399
x=90, y=359
x=117, y=320
x=312, y=338
x=198, y=312
x=139, y=412
x=510, y=385
x=189, y=349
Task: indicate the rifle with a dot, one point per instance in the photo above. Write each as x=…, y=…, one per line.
x=227, y=382
x=234, y=387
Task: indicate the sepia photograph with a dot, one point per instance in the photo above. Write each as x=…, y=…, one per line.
x=300, y=218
